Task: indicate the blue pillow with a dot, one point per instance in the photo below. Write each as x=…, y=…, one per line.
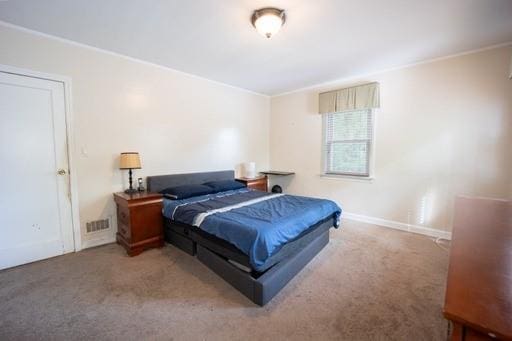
x=186, y=191
x=224, y=185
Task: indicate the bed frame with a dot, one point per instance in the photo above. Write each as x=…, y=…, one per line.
x=259, y=287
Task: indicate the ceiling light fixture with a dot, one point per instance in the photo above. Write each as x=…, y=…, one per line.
x=268, y=21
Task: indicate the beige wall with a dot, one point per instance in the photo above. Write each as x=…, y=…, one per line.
x=444, y=128
x=179, y=123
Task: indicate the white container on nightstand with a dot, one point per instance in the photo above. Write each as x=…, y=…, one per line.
x=249, y=170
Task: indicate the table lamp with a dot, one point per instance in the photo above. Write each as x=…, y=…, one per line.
x=130, y=160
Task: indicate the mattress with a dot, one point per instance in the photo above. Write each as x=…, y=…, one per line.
x=258, y=224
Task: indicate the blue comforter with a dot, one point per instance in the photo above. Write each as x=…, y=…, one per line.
x=257, y=223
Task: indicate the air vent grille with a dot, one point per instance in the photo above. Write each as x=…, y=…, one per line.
x=97, y=225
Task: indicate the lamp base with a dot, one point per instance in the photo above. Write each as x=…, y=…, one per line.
x=131, y=191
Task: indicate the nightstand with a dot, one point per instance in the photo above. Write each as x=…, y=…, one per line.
x=139, y=221
x=259, y=183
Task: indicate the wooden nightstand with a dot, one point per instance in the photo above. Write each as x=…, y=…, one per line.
x=259, y=183
x=139, y=221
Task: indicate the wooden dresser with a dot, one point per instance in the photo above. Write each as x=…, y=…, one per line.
x=139, y=221
x=478, y=297
x=259, y=183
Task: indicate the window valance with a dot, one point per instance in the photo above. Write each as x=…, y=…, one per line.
x=359, y=97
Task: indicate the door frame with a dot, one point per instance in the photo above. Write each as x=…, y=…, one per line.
x=70, y=143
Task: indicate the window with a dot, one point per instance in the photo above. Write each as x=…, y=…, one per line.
x=348, y=143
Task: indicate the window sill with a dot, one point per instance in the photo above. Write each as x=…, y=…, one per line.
x=348, y=178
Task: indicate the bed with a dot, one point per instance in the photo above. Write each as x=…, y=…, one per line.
x=256, y=241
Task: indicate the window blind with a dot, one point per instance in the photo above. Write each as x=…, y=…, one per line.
x=348, y=142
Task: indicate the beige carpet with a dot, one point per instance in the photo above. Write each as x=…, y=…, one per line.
x=369, y=283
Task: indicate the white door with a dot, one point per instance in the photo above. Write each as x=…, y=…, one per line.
x=35, y=206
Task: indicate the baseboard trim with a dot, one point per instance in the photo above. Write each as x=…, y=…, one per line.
x=88, y=243
x=427, y=231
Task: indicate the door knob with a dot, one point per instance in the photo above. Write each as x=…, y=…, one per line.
x=61, y=172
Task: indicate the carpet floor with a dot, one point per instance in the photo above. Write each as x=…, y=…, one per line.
x=368, y=283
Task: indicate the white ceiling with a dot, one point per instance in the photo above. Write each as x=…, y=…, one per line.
x=322, y=40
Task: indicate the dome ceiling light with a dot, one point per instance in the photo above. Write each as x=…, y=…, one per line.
x=268, y=21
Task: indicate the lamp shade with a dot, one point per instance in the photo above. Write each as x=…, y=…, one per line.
x=130, y=160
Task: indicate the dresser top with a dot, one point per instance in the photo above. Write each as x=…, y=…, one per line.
x=274, y=172
x=138, y=196
x=479, y=288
